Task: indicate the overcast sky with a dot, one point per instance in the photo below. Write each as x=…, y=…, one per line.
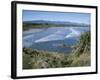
x=29, y=15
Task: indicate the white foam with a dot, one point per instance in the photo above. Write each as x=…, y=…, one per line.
x=74, y=33
x=55, y=36
x=60, y=35
x=28, y=36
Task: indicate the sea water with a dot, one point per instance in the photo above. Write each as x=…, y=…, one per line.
x=51, y=39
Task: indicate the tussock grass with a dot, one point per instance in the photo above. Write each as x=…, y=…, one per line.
x=44, y=59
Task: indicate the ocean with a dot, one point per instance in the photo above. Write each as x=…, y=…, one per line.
x=53, y=38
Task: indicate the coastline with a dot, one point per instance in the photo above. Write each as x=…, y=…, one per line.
x=33, y=30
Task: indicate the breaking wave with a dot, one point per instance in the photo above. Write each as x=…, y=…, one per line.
x=51, y=34
x=74, y=33
x=60, y=35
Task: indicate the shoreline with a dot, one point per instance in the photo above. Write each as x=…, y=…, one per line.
x=33, y=30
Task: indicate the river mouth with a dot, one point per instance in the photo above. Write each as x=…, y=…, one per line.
x=54, y=39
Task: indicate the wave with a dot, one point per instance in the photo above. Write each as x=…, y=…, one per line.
x=60, y=35
x=28, y=36
x=52, y=34
x=74, y=33
x=55, y=36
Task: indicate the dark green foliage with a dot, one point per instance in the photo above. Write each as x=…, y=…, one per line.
x=26, y=61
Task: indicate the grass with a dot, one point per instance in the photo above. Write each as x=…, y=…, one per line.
x=80, y=56
x=44, y=59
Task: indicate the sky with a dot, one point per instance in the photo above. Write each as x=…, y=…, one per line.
x=29, y=15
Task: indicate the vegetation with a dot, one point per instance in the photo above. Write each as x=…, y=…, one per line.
x=80, y=56
x=83, y=45
x=27, y=26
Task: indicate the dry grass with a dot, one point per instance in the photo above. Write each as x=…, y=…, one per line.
x=44, y=59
